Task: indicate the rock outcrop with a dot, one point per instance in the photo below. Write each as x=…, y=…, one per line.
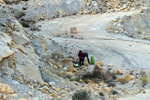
x=52, y=9
x=46, y=9
x=15, y=44
x=135, y=26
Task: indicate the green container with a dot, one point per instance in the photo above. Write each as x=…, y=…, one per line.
x=92, y=60
x=76, y=65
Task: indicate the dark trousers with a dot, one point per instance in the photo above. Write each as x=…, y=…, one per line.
x=81, y=62
x=88, y=59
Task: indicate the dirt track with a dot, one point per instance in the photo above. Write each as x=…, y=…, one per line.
x=119, y=50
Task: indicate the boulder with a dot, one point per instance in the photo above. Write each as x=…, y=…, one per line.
x=73, y=29
x=2, y=2
x=72, y=69
x=118, y=71
x=5, y=88
x=52, y=9
x=100, y=63
x=55, y=67
x=110, y=65
x=54, y=95
x=127, y=78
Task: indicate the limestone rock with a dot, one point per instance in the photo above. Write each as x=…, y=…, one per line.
x=54, y=95
x=101, y=84
x=2, y=2
x=5, y=49
x=72, y=69
x=99, y=67
x=84, y=67
x=55, y=67
x=115, y=20
x=5, y=88
x=63, y=95
x=127, y=78
x=73, y=30
x=100, y=63
x=58, y=8
x=17, y=44
x=13, y=95
x=118, y=71
x=110, y=65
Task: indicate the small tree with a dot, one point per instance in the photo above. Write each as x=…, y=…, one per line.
x=81, y=95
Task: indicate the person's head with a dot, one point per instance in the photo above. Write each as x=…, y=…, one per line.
x=80, y=51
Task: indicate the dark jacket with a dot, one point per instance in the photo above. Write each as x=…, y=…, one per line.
x=80, y=55
x=85, y=54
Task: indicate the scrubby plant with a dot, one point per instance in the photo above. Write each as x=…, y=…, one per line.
x=101, y=94
x=21, y=14
x=114, y=92
x=99, y=74
x=144, y=79
x=10, y=1
x=111, y=84
x=123, y=82
x=108, y=81
x=81, y=95
x=24, y=24
x=114, y=77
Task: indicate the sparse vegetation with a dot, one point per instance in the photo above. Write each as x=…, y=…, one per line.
x=11, y=1
x=114, y=92
x=144, y=79
x=24, y=24
x=81, y=95
x=21, y=14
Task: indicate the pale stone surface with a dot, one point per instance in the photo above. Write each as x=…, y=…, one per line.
x=5, y=50
x=15, y=43
x=73, y=29
x=5, y=88
x=127, y=78
x=40, y=9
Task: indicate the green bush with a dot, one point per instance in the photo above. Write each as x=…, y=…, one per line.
x=81, y=95
x=21, y=14
x=24, y=24
x=114, y=92
x=144, y=79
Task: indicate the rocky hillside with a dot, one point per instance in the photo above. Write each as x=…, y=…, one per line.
x=38, y=50
x=35, y=10
x=15, y=46
x=135, y=26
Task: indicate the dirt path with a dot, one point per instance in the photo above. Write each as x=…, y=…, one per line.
x=119, y=50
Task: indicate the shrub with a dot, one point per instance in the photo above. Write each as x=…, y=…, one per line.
x=123, y=82
x=24, y=24
x=111, y=84
x=21, y=14
x=11, y=2
x=101, y=94
x=114, y=92
x=81, y=95
x=144, y=79
x=108, y=81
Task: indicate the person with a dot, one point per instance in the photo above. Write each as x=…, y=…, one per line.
x=86, y=55
x=81, y=58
